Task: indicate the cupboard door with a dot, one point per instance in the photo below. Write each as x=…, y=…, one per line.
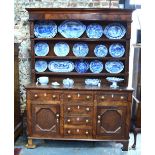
x=111, y=121
x=46, y=120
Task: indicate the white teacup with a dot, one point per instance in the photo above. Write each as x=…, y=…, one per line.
x=43, y=80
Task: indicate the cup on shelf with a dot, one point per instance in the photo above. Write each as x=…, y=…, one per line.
x=43, y=80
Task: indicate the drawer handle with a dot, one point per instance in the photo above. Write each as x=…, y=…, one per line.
x=78, y=107
x=69, y=96
x=102, y=97
x=54, y=96
x=68, y=108
x=122, y=97
x=57, y=115
x=87, y=97
x=87, y=109
x=78, y=95
x=35, y=95
x=99, y=116
x=77, y=130
x=69, y=131
x=78, y=119
x=98, y=121
x=87, y=132
x=45, y=94
x=112, y=96
x=87, y=120
x=68, y=120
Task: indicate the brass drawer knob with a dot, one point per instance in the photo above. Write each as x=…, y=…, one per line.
x=87, y=120
x=68, y=120
x=87, y=132
x=36, y=95
x=68, y=108
x=98, y=121
x=77, y=130
x=87, y=109
x=45, y=94
x=102, y=97
x=99, y=116
x=69, y=131
x=53, y=96
x=69, y=96
x=122, y=97
x=87, y=97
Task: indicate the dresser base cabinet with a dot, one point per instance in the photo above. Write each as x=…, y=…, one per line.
x=90, y=115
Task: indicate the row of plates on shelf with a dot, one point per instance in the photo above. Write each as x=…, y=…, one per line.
x=80, y=66
x=116, y=50
x=75, y=29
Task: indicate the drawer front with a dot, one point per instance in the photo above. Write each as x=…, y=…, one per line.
x=87, y=121
x=111, y=97
x=78, y=96
x=45, y=95
x=78, y=132
x=78, y=109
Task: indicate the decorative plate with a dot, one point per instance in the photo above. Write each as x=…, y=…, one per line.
x=100, y=51
x=41, y=49
x=94, y=31
x=96, y=66
x=92, y=82
x=81, y=66
x=80, y=49
x=61, y=49
x=61, y=66
x=116, y=50
x=71, y=29
x=40, y=65
x=45, y=29
x=114, y=31
x=114, y=66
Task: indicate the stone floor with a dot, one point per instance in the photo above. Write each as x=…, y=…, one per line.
x=49, y=147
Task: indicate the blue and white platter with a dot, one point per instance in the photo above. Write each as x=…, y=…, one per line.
x=92, y=82
x=114, y=67
x=41, y=49
x=45, y=29
x=61, y=66
x=80, y=49
x=96, y=66
x=114, y=31
x=81, y=66
x=71, y=29
x=100, y=51
x=94, y=31
x=40, y=65
x=116, y=50
x=61, y=49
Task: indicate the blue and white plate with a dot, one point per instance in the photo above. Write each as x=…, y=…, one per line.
x=61, y=66
x=80, y=49
x=94, y=31
x=41, y=49
x=92, y=82
x=114, y=67
x=116, y=50
x=114, y=31
x=71, y=29
x=100, y=51
x=81, y=66
x=45, y=29
x=96, y=66
x=40, y=65
x=61, y=49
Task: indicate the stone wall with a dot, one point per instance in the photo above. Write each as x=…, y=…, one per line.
x=21, y=30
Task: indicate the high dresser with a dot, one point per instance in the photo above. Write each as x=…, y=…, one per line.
x=79, y=112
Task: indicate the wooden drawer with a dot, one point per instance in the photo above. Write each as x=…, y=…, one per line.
x=76, y=120
x=101, y=97
x=44, y=95
x=78, y=132
x=78, y=96
x=78, y=109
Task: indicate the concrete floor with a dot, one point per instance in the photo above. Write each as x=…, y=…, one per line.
x=49, y=147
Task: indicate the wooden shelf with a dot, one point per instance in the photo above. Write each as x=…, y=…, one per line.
x=77, y=58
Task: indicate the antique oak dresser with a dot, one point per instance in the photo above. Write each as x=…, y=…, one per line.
x=80, y=112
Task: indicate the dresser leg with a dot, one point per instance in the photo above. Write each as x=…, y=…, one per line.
x=125, y=145
x=30, y=144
